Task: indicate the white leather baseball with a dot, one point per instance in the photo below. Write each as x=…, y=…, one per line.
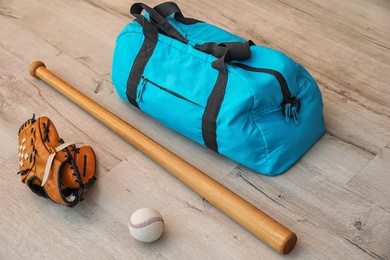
x=146, y=225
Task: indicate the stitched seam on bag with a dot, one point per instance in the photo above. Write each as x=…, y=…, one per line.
x=267, y=111
x=265, y=144
x=180, y=29
x=247, y=86
x=308, y=81
x=129, y=29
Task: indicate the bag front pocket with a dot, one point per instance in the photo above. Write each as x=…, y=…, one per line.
x=146, y=80
x=171, y=108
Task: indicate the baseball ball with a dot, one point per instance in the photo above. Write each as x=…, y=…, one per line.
x=146, y=225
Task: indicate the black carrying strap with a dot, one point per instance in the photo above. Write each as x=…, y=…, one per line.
x=224, y=52
x=230, y=50
x=150, y=29
x=238, y=50
x=150, y=32
x=156, y=18
x=168, y=8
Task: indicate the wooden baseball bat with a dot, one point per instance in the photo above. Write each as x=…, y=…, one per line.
x=248, y=216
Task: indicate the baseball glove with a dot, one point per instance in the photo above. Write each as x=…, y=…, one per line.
x=52, y=168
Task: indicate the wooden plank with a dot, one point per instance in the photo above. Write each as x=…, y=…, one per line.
x=372, y=181
x=335, y=159
x=372, y=230
x=334, y=198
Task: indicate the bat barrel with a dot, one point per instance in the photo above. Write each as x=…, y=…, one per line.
x=277, y=236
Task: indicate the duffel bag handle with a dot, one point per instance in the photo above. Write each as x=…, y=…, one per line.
x=168, y=8
x=238, y=50
x=136, y=10
x=228, y=50
x=224, y=52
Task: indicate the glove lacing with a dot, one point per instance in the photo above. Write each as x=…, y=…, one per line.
x=51, y=158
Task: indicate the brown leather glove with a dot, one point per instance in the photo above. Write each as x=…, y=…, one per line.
x=51, y=168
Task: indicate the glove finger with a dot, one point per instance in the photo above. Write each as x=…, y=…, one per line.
x=86, y=168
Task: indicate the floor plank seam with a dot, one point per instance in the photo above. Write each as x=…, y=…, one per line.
x=350, y=143
x=368, y=252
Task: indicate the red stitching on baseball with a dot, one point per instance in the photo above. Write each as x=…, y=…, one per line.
x=146, y=222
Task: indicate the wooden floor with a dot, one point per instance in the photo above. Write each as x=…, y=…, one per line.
x=336, y=198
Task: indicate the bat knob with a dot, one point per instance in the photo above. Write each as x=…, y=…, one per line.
x=34, y=66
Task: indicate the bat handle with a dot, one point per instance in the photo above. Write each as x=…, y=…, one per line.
x=277, y=236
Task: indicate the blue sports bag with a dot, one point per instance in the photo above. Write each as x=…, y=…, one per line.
x=250, y=103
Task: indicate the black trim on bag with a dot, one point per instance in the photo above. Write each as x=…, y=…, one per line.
x=150, y=30
x=214, y=103
x=224, y=52
x=143, y=56
x=160, y=22
x=168, y=8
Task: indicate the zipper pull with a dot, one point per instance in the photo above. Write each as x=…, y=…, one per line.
x=290, y=109
x=287, y=112
x=295, y=115
x=141, y=90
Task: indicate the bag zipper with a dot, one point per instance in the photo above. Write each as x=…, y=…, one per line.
x=163, y=89
x=290, y=105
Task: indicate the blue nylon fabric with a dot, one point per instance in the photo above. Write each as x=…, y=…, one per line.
x=251, y=128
